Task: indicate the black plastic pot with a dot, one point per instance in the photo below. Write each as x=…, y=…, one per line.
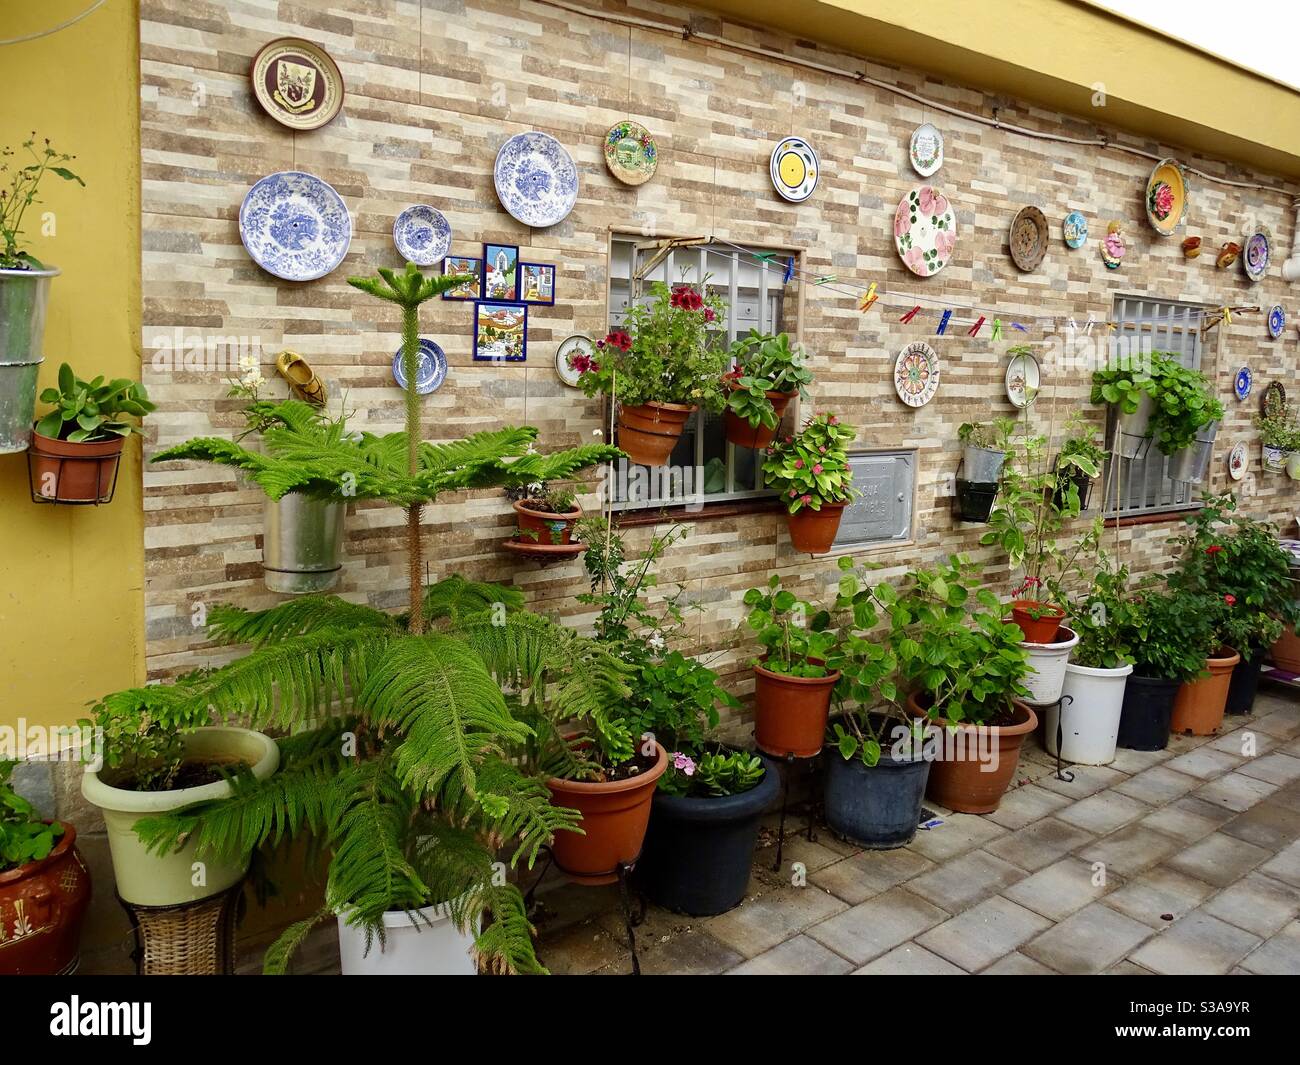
x=1244, y=684
x=1144, y=718
x=877, y=807
x=698, y=851
x=1082, y=482
x=975, y=500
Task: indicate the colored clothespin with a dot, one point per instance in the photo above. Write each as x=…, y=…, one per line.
x=1074, y=326
x=789, y=271
x=1227, y=315
x=943, y=323
x=868, y=298
x=911, y=314
x=1017, y=325
x=825, y=279
x=974, y=330
x=997, y=329
x=765, y=256
x=1087, y=328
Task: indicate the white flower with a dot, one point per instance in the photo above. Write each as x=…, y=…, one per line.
x=598, y=432
x=655, y=641
x=248, y=363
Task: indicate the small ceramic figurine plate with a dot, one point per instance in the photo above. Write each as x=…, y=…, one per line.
x=916, y=374
x=926, y=150
x=1256, y=251
x=295, y=226
x=631, y=153
x=1242, y=383
x=1237, y=461
x=1166, y=197
x=1075, y=230
x=1028, y=238
x=422, y=234
x=1276, y=320
x=794, y=168
x=1022, y=380
x=925, y=230
x=430, y=372
x=536, y=179
x=576, y=345
x=297, y=83
x=1113, y=247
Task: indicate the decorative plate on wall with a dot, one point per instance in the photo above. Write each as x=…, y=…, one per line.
x=1166, y=197
x=925, y=230
x=1276, y=320
x=422, y=234
x=1237, y=461
x=1023, y=379
x=430, y=371
x=1256, y=251
x=1075, y=230
x=577, y=345
x=1242, y=383
x=916, y=374
x=631, y=153
x=1274, y=388
x=1028, y=238
x=297, y=83
x=1113, y=247
x=794, y=168
x=926, y=149
x=295, y=226
x=536, y=179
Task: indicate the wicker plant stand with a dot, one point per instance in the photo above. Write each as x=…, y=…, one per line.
x=191, y=939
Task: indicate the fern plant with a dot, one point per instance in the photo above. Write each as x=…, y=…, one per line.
x=404, y=730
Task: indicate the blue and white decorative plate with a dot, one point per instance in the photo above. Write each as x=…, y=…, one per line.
x=429, y=374
x=422, y=234
x=536, y=179
x=295, y=226
x=1075, y=230
x=1243, y=382
x=1276, y=320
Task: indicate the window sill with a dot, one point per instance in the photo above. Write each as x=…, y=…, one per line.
x=631, y=519
x=1164, y=517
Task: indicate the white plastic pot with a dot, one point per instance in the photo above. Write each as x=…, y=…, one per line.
x=432, y=945
x=1047, y=663
x=1091, y=701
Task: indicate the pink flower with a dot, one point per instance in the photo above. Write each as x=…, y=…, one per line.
x=833, y=420
x=932, y=201
x=793, y=493
x=682, y=762
x=822, y=449
x=943, y=243
x=915, y=259
x=817, y=468
x=1164, y=200
x=798, y=464
x=902, y=221
x=1231, y=600
x=709, y=314
x=805, y=500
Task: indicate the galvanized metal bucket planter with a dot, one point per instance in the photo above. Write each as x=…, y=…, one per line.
x=24, y=295
x=302, y=544
x=1190, y=465
x=982, y=465
x=1132, y=431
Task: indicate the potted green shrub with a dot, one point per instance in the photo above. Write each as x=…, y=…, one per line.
x=24, y=286
x=76, y=447
x=661, y=366
x=769, y=372
x=1078, y=464
x=44, y=888
x=1279, y=432
x=793, y=678
x=1129, y=389
x=811, y=475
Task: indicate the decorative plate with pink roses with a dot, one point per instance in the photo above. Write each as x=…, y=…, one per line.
x=925, y=230
x=1167, y=196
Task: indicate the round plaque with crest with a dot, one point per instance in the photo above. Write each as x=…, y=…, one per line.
x=297, y=83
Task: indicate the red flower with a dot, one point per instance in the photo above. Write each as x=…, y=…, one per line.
x=1231, y=600
x=619, y=339
x=583, y=363
x=1214, y=549
x=686, y=298
x=709, y=314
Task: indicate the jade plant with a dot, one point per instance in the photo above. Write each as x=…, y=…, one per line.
x=764, y=363
x=86, y=412
x=21, y=175
x=811, y=468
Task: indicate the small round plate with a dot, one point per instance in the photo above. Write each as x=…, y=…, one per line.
x=916, y=374
x=1276, y=320
x=1028, y=239
x=1256, y=251
x=536, y=179
x=925, y=230
x=1237, y=461
x=1023, y=380
x=926, y=150
x=422, y=235
x=794, y=169
x=578, y=344
x=1166, y=198
x=295, y=226
x=1242, y=383
x=430, y=372
x=630, y=152
x=1075, y=230
x=297, y=83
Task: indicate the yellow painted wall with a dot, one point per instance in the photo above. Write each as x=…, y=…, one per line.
x=71, y=578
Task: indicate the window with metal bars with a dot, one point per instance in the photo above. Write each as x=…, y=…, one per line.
x=1142, y=485
x=703, y=468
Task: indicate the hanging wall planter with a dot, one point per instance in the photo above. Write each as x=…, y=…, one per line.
x=428, y=945
x=813, y=531
x=1190, y=465
x=24, y=295
x=1133, y=431
x=77, y=474
x=742, y=434
x=648, y=432
x=877, y=807
x=1199, y=705
x=42, y=906
x=975, y=500
x=1274, y=458
x=543, y=526
x=982, y=465
x=302, y=543
x=1088, y=716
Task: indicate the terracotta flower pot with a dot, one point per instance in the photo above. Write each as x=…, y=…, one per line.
x=650, y=431
x=975, y=763
x=614, y=819
x=742, y=434
x=813, y=531
x=1042, y=629
x=550, y=528
x=42, y=905
x=1199, y=705
x=1285, y=653
x=790, y=712
x=74, y=473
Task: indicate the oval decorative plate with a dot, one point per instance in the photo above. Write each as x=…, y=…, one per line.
x=1256, y=252
x=1023, y=379
x=1075, y=230
x=422, y=234
x=1113, y=247
x=794, y=169
x=1237, y=461
x=1274, y=388
x=1166, y=197
x=925, y=230
x=536, y=179
x=297, y=83
x=295, y=226
x=631, y=153
x=1028, y=238
x=430, y=372
x=916, y=374
x=1276, y=320
x=1242, y=383
x=926, y=149
x=571, y=347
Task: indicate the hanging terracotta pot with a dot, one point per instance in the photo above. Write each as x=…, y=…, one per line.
x=42, y=905
x=742, y=434
x=790, y=712
x=813, y=531
x=64, y=472
x=1041, y=628
x=1199, y=705
x=648, y=432
x=548, y=527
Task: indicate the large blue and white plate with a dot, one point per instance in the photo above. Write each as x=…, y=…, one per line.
x=422, y=234
x=430, y=372
x=295, y=226
x=536, y=179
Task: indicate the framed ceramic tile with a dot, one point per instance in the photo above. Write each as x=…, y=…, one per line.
x=460, y=264
x=500, y=272
x=500, y=331
x=537, y=283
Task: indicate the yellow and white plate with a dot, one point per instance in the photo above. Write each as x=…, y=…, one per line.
x=795, y=169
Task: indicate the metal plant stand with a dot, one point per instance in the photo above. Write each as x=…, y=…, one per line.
x=808, y=807
x=1060, y=704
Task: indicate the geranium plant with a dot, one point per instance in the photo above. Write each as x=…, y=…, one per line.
x=811, y=468
x=796, y=635
x=24, y=176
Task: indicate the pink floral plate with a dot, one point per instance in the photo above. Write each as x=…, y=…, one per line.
x=925, y=230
